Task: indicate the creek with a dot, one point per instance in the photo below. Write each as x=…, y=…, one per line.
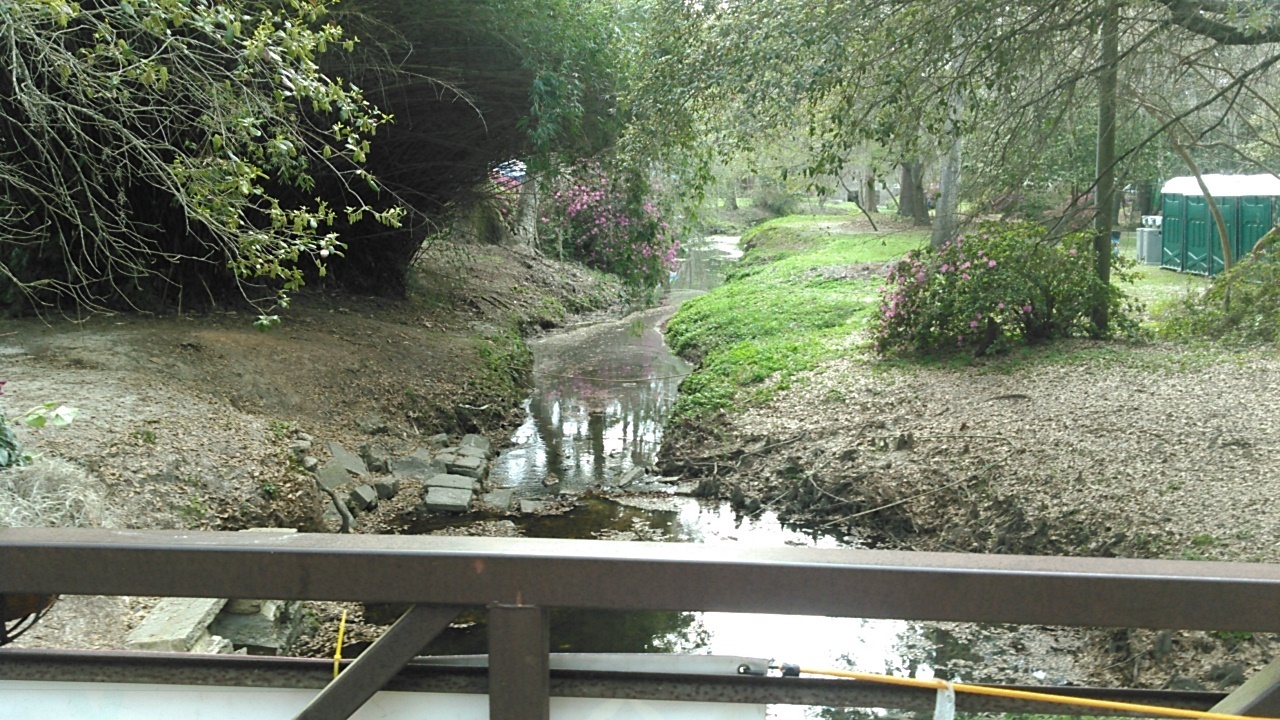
x=601, y=393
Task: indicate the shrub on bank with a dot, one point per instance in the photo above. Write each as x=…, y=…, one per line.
x=608, y=223
x=775, y=201
x=1001, y=285
x=1242, y=306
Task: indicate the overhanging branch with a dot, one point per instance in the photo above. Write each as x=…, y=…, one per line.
x=1195, y=16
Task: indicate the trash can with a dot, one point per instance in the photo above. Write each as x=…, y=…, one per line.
x=1149, y=244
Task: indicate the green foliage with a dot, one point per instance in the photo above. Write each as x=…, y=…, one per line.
x=607, y=221
x=146, y=140
x=50, y=414
x=279, y=429
x=775, y=201
x=1242, y=306
x=10, y=449
x=791, y=311
x=999, y=286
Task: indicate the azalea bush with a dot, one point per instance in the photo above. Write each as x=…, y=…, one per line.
x=607, y=222
x=1000, y=285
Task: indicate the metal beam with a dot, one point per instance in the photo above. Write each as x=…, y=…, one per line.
x=278, y=672
x=519, y=663
x=1259, y=696
x=645, y=576
x=380, y=662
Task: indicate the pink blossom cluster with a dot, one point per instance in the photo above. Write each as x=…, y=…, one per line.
x=599, y=223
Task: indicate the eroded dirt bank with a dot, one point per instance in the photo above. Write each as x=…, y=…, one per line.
x=1146, y=451
x=187, y=421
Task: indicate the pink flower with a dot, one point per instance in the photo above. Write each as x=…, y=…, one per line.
x=1072, y=253
x=1026, y=308
x=945, y=268
x=991, y=263
x=965, y=266
x=1000, y=306
x=965, y=276
x=920, y=277
x=973, y=323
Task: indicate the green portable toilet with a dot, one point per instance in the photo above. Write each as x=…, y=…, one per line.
x=1190, y=241
x=1172, y=235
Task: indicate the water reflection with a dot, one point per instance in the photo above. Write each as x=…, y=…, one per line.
x=601, y=392
x=600, y=398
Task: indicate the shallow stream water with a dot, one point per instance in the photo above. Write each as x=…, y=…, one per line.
x=601, y=394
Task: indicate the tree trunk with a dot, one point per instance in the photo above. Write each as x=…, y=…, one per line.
x=868, y=195
x=949, y=196
x=526, y=220
x=948, y=210
x=1106, y=159
x=731, y=194
x=911, y=201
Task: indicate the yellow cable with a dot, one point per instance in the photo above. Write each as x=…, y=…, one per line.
x=337, y=653
x=1027, y=695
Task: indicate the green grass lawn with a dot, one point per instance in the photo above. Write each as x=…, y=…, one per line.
x=793, y=301
x=805, y=287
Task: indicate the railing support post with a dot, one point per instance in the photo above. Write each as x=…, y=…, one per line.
x=379, y=663
x=519, y=663
x=1258, y=696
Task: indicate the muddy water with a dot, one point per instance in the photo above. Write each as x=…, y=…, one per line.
x=601, y=394
x=602, y=391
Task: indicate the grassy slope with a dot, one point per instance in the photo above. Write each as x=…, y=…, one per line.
x=779, y=314
x=782, y=313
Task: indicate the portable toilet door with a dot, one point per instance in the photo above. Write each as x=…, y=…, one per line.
x=1173, y=231
x=1196, y=251
x=1257, y=217
x=1228, y=206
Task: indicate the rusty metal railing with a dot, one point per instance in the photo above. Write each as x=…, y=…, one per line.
x=520, y=579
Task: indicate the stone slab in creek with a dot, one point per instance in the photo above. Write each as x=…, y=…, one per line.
x=498, y=499
x=454, y=482
x=478, y=442
x=417, y=466
x=466, y=465
x=443, y=499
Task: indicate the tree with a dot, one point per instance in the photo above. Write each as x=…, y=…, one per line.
x=142, y=145
x=892, y=72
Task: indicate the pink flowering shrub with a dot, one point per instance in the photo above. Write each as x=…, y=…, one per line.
x=608, y=224
x=1000, y=285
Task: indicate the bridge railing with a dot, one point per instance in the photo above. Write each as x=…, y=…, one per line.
x=519, y=580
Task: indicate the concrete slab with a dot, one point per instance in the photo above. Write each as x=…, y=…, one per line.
x=175, y=624
x=264, y=633
x=455, y=482
x=478, y=442
x=362, y=498
x=529, y=507
x=441, y=499
x=418, y=466
x=498, y=499
x=351, y=462
x=333, y=475
x=469, y=466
